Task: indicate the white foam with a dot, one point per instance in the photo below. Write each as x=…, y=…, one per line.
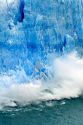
x=66, y=82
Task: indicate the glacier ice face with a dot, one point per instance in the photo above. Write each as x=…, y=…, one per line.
x=54, y=21
x=29, y=30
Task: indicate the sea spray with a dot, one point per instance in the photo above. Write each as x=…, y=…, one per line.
x=66, y=81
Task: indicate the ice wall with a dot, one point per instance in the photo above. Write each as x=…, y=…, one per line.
x=55, y=23
x=30, y=29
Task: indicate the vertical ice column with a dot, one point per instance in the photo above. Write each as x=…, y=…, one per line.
x=77, y=9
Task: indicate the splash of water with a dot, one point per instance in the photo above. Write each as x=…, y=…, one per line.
x=65, y=81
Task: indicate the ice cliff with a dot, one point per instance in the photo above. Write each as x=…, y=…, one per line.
x=30, y=29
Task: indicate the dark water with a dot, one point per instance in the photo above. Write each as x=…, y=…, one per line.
x=64, y=112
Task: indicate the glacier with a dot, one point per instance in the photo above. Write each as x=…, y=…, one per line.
x=30, y=28
x=33, y=34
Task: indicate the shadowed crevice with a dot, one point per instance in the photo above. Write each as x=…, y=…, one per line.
x=21, y=10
